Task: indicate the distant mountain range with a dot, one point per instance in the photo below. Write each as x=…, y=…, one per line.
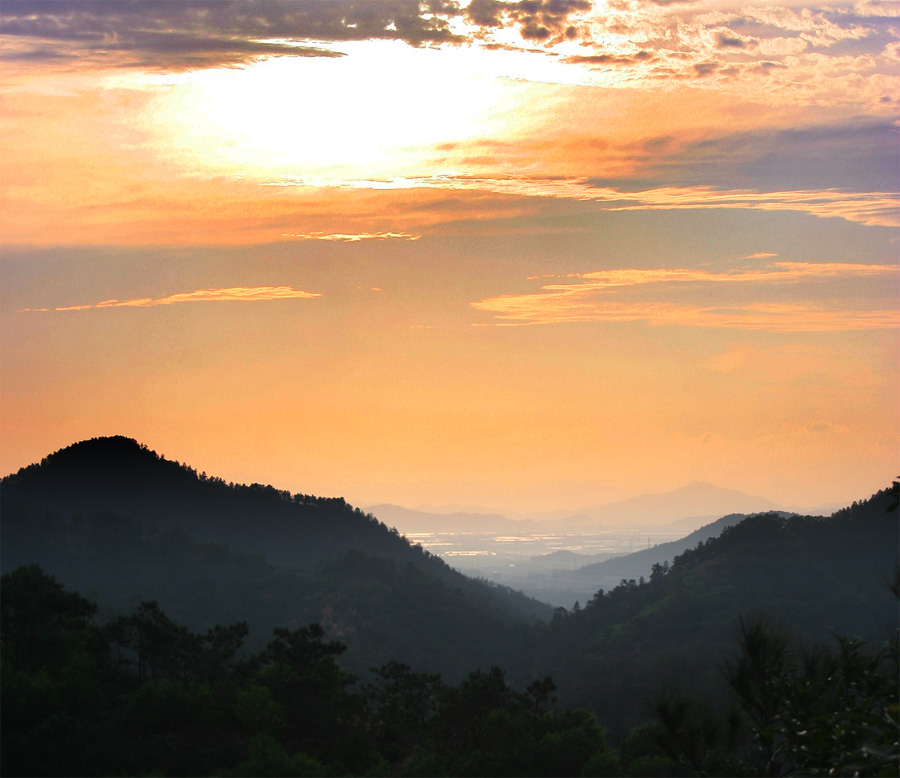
x=813, y=576
x=697, y=501
x=409, y=520
x=117, y=522
x=686, y=508
x=610, y=572
x=564, y=577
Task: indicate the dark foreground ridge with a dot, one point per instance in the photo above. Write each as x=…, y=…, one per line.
x=724, y=662
x=114, y=519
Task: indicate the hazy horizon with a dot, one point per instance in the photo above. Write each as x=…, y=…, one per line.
x=532, y=511
x=532, y=257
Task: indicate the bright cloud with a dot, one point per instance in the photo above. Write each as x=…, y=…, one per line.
x=538, y=309
x=354, y=237
x=594, y=297
x=778, y=272
x=231, y=294
x=444, y=151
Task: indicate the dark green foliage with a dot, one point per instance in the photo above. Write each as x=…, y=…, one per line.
x=111, y=518
x=402, y=704
x=164, y=688
x=820, y=575
x=267, y=757
x=820, y=711
x=484, y=727
x=697, y=738
x=105, y=478
x=40, y=619
x=829, y=710
x=50, y=657
x=317, y=713
x=144, y=695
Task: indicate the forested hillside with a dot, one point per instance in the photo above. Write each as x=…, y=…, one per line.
x=161, y=556
x=817, y=576
x=112, y=519
x=118, y=475
x=142, y=694
x=609, y=572
x=580, y=582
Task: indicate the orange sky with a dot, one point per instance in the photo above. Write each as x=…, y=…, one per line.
x=528, y=256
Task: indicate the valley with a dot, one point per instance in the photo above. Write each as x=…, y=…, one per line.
x=607, y=630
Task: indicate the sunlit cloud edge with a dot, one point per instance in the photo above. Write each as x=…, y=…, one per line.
x=230, y=294
x=354, y=237
x=880, y=209
x=578, y=301
x=771, y=317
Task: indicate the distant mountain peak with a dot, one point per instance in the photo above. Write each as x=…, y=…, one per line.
x=704, y=486
x=693, y=500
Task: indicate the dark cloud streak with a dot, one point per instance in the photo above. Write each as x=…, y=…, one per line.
x=538, y=20
x=177, y=35
x=860, y=157
x=726, y=41
x=610, y=59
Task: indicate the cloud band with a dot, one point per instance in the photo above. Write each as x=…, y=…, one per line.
x=230, y=294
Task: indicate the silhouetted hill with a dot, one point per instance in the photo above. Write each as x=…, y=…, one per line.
x=817, y=575
x=113, y=519
x=602, y=575
x=382, y=609
x=132, y=524
x=564, y=577
x=118, y=475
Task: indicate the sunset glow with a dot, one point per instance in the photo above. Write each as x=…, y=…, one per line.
x=525, y=255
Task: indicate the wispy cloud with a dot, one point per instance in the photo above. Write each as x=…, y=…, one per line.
x=758, y=316
x=776, y=272
x=592, y=297
x=231, y=294
x=869, y=208
x=881, y=209
x=352, y=237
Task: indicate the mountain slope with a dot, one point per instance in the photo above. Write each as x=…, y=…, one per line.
x=119, y=476
x=817, y=575
x=116, y=521
x=610, y=572
x=564, y=577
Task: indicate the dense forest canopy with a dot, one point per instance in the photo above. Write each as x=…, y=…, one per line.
x=142, y=694
x=169, y=640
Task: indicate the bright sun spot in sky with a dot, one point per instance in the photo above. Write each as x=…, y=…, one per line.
x=520, y=254
x=327, y=118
